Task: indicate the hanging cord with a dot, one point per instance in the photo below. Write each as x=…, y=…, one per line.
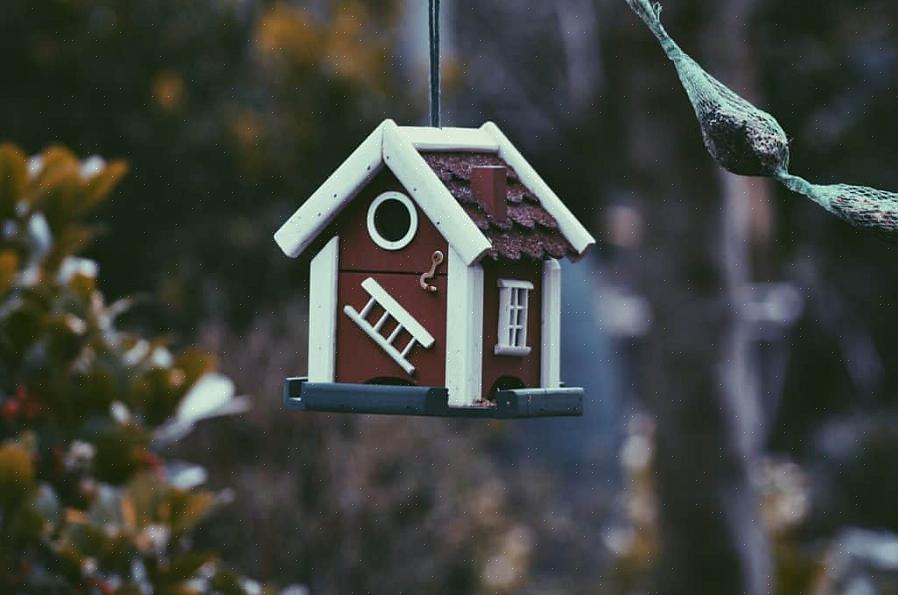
x=434, y=18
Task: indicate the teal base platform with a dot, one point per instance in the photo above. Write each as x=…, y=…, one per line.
x=301, y=395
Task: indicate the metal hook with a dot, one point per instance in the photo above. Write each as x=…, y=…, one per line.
x=437, y=259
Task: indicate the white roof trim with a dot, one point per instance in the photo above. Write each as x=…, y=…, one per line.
x=399, y=148
x=450, y=139
x=301, y=229
x=432, y=195
x=570, y=227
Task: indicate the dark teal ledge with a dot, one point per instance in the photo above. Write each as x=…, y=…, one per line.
x=540, y=402
x=301, y=395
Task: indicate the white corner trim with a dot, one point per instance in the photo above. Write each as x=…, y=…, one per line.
x=301, y=229
x=401, y=157
x=551, y=325
x=449, y=139
x=412, y=216
x=464, y=331
x=572, y=229
x=323, y=312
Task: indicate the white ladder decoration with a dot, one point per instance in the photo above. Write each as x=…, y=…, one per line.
x=404, y=320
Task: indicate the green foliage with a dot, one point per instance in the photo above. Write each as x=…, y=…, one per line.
x=86, y=503
x=235, y=111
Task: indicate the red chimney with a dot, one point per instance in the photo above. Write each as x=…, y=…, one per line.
x=489, y=187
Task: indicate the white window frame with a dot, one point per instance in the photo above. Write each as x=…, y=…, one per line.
x=412, y=221
x=514, y=303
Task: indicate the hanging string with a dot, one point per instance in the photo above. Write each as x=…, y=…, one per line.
x=434, y=21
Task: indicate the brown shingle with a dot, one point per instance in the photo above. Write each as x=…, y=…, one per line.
x=530, y=232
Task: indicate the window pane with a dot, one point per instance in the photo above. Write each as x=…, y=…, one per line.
x=514, y=297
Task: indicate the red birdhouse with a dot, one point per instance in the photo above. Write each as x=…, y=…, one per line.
x=435, y=283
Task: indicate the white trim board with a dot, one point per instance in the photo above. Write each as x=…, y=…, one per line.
x=514, y=284
x=432, y=195
x=464, y=331
x=570, y=227
x=398, y=148
x=323, y=312
x=550, y=358
x=307, y=223
x=386, y=145
x=425, y=138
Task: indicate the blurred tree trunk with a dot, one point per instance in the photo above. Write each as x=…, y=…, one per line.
x=694, y=261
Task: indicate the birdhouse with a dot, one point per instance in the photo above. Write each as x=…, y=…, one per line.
x=435, y=284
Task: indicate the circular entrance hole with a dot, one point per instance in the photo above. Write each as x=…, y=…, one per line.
x=392, y=221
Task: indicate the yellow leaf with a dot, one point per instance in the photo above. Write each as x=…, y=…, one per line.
x=189, y=508
x=100, y=186
x=9, y=265
x=13, y=178
x=288, y=33
x=194, y=363
x=168, y=90
x=129, y=514
x=71, y=239
x=56, y=183
x=56, y=162
x=144, y=499
x=57, y=156
x=16, y=473
x=75, y=516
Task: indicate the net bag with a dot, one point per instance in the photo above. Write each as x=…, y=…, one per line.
x=750, y=142
x=742, y=138
x=863, y=207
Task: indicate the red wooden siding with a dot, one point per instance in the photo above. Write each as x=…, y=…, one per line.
x=359, y=358
x=359, y=253
x=526, y=369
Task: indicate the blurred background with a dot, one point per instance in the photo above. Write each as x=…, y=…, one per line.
x=738, y=345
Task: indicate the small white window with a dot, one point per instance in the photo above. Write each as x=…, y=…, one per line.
x=514, y=297
x=392, y=221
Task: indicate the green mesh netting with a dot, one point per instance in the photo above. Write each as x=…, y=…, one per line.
x=750, y=142
x=859, y=205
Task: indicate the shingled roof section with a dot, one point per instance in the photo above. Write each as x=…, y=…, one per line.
x=529, y=233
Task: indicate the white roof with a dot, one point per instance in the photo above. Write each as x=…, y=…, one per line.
x=398, y=148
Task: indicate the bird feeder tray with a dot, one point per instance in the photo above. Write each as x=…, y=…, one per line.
x=301, y=395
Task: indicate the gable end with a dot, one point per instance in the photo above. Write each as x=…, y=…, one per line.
x=399, y=149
